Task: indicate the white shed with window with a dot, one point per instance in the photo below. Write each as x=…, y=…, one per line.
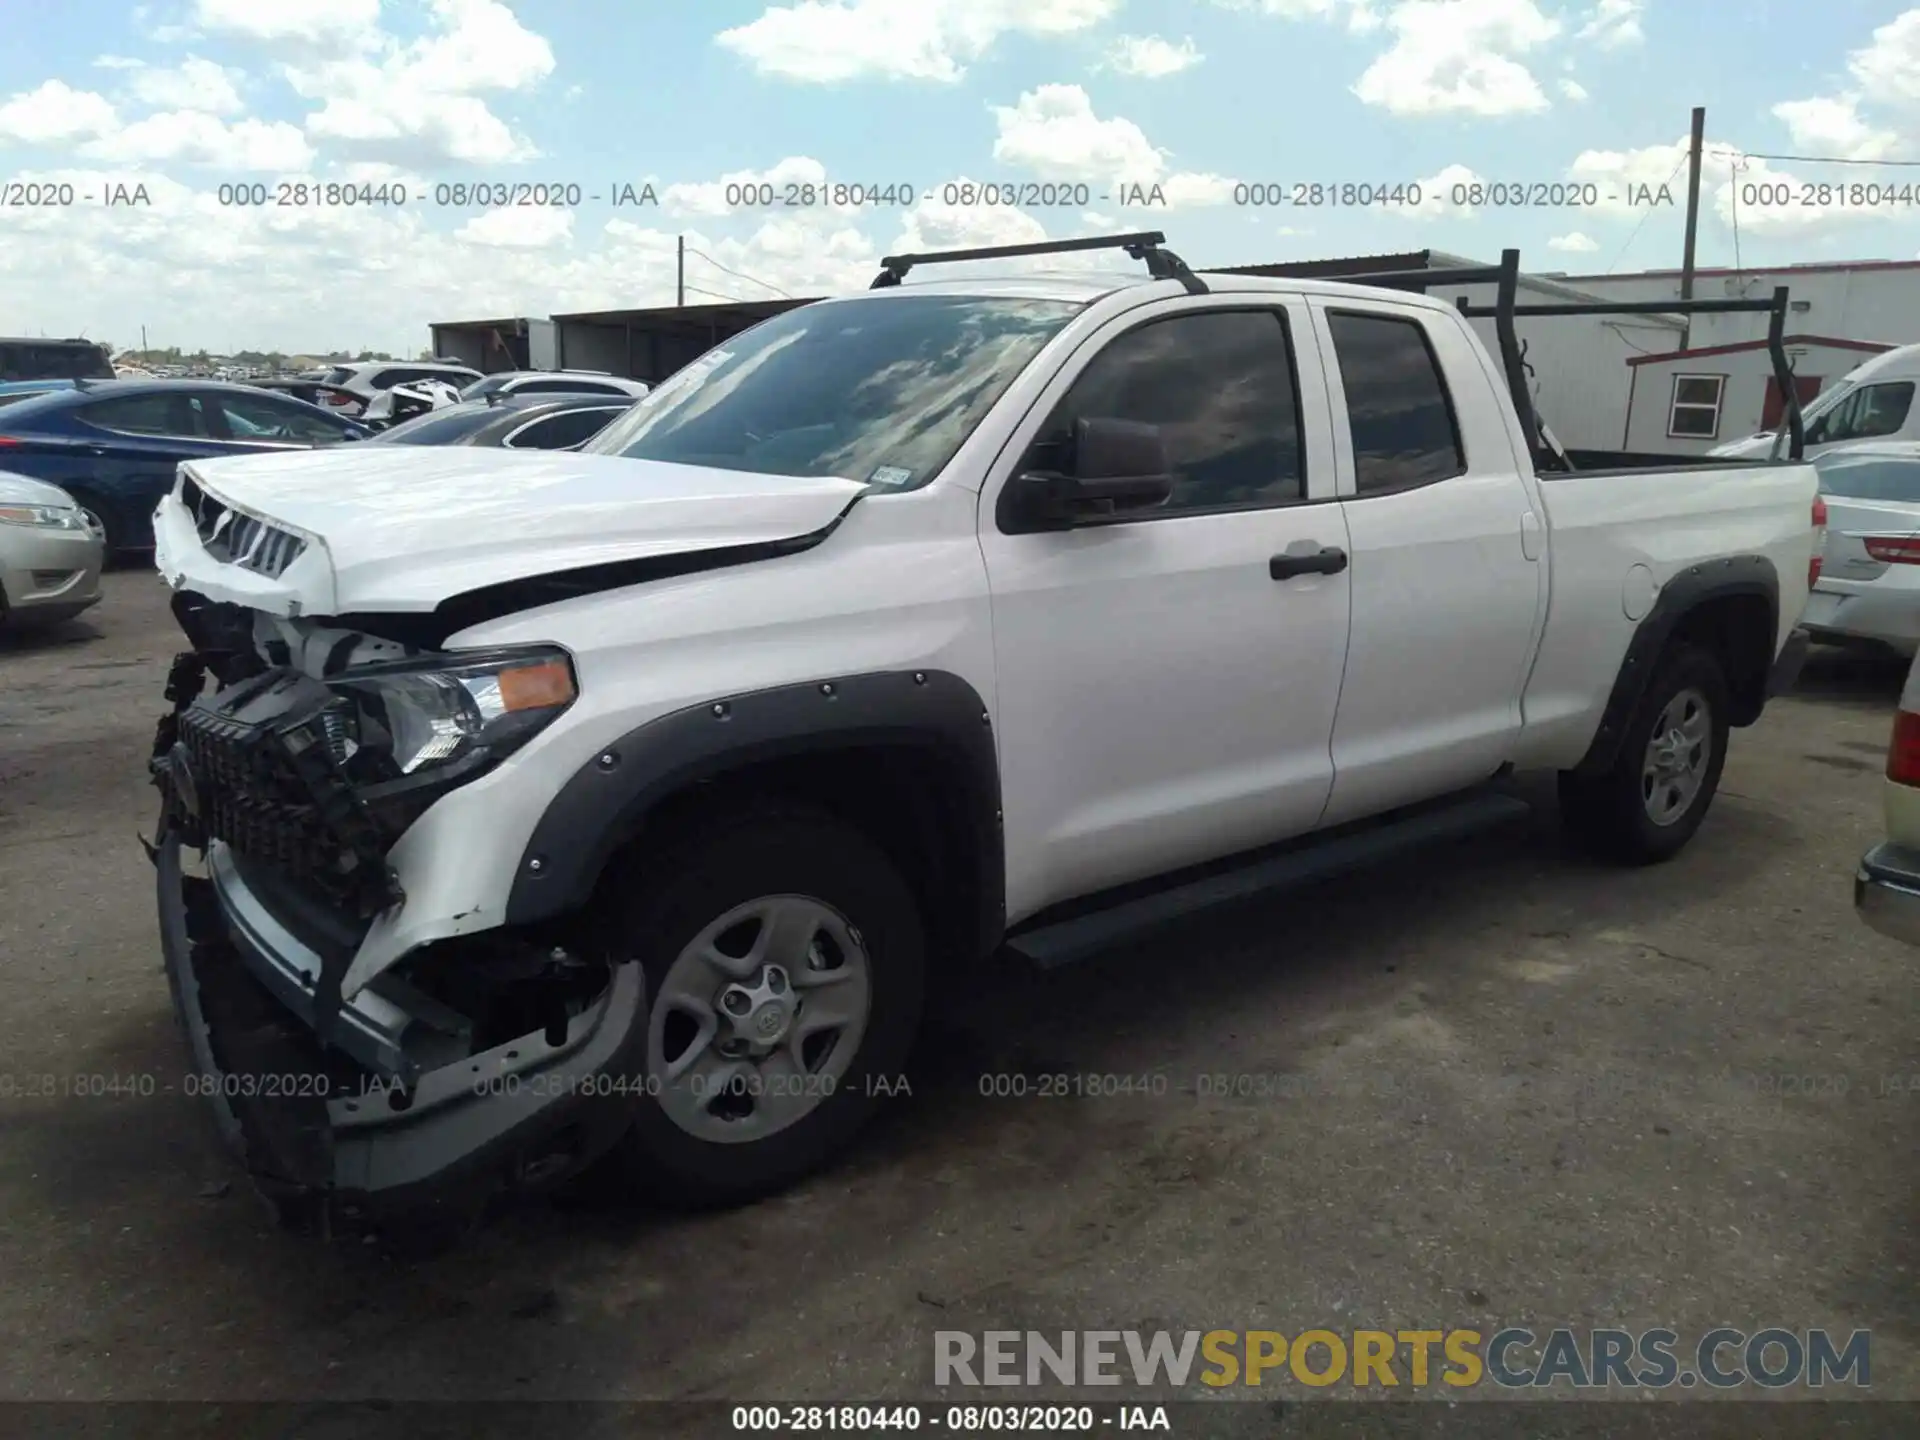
x=1688, y=401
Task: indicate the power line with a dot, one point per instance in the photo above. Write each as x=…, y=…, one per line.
x=1828, y=160
x=1646, y=216
x=738, y=275
x=732, y=299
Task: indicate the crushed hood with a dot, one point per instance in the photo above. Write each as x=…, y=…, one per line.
x=405, y=529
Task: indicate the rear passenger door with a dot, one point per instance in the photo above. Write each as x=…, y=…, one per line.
x=1167, y=679
x=1448, y=590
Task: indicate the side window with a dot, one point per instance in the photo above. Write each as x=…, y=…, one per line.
x=557, y=432
x=251, y=417
x=1870, y=411
x=387, y=379
x=156, y=413
x=1695, y=411
x=1398, y=410
x=551, y=387
x=1220, y=385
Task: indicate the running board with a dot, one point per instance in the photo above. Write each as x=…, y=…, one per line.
x=1065, y=941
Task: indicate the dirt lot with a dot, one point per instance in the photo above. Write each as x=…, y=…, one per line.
x=1523, y=1090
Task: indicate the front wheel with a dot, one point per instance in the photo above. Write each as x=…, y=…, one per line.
x=1645, y=808
x=786, y=965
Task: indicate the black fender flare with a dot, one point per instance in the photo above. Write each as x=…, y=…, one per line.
x=602, y=805
x=1684, y=593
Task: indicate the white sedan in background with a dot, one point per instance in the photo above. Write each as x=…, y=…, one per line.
x=1868, y=588
x=50, y=556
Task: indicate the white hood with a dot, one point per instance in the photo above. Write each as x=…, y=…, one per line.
x=402, y=528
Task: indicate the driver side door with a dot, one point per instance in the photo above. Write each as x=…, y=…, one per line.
x=1166, y=681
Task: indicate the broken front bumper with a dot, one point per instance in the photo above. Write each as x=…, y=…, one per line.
x=325, y=1132
x=380, y=1104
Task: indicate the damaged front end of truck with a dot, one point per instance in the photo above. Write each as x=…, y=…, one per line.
x=497, y=1061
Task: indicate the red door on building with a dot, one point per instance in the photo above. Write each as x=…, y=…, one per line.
x=1804, y=386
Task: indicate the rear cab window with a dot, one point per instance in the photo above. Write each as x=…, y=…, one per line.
x=1399, y=411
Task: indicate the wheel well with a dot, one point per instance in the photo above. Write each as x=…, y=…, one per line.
x=913, y=801
x=1738, y=631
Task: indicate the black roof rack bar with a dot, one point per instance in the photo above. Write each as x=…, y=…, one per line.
x=1628, y=307
x=1144, y=245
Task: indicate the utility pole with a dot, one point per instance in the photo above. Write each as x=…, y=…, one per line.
x=1694, y=147
x=680, y=282
x=143, y=342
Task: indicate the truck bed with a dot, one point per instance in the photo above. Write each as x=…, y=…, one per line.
x=1616, y=461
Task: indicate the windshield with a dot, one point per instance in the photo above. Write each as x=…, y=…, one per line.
x=1825, y=401
x=438, y=427
x=1869, y=477
x=480, y=389
x=880, y=390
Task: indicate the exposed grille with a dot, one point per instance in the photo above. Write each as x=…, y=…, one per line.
x=252, y=798
x=240, y=539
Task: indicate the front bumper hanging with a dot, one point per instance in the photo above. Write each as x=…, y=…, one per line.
x=378, y=1107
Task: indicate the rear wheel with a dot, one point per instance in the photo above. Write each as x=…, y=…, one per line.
x=785, y=960
x=1645, y=808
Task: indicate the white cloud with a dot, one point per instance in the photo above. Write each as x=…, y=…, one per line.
x=193, y=84
x=192, y=137
x=1152, y=57
x=1614, y=23
x=826, y=41
x=1359, y=14
x=118, y=62
x=1737, y=187
x=1437, y=195
x=55, y=113
x=519, y=227
x=418, y=102
x=1888, y=70
x=1573, y=242
x=1053, y=132
x=1459, y=57
x=1831, y=125
x=800, y=177
x=1573, y=89
x=343, y=24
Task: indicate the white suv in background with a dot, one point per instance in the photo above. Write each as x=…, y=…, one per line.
x=553, y=382
x=368, y=378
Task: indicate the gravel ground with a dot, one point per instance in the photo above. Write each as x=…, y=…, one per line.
x=1519, y=1089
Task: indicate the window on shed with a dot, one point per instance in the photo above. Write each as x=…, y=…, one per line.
x=1695, y=411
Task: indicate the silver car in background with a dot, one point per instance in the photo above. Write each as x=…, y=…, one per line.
x=1868, y=588
x=50, y=556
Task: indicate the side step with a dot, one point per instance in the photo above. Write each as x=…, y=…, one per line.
x=1050, y=946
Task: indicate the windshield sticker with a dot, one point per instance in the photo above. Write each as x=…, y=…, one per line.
x=890, y=475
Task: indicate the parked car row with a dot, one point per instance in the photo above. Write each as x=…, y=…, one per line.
x=115, y=446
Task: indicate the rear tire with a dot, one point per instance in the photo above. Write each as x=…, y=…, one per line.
x=717, y=892
x=1647, y=805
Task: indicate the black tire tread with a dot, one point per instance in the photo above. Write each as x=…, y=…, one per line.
x=1603, y=812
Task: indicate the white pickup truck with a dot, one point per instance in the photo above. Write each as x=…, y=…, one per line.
x=546, y=805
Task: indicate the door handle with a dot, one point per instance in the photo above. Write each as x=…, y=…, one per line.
x=1328, y=560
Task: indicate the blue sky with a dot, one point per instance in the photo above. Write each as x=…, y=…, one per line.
x=1198, y=97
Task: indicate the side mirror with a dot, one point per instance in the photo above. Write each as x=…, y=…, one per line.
x=1113, y=469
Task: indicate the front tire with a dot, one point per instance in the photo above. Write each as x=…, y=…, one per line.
x=1647, y=805
x=785, y=960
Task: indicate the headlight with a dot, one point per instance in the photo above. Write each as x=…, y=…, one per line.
x=49, y=517
x=418, y=716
